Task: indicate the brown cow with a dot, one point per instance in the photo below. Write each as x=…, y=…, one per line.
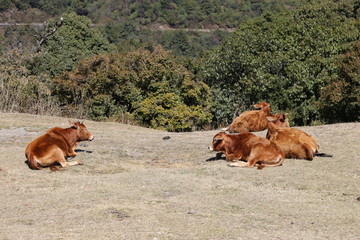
x=281, y=120
x=293, y=142
x=251, y=121
x=56, y=145
x=256, y=151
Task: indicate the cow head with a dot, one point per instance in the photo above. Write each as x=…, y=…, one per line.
x=218, y=142
x=262, y=105
x=280, y=119
x=82, y=133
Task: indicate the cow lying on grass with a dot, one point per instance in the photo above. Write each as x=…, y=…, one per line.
x=254, y=150
x=57, y=144
x=293, y=142
x=251, y=121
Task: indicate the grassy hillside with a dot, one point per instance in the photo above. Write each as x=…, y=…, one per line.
x=135, y=185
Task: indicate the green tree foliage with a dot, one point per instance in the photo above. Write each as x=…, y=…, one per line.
x=304, y=61
x=151, y=86
x=20, y=37
x=53, y=7
x=181, y=43
x=73, y=41
x=5, y=5
x=190, y=13
x=340, y=98
x=285, y=59
x=139, y=20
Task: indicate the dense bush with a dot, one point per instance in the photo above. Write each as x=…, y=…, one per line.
x=152, y=87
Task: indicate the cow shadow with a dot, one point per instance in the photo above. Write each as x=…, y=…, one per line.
x=81, y=150
x=219, y=156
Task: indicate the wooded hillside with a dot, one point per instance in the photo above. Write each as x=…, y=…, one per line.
x=110, y=60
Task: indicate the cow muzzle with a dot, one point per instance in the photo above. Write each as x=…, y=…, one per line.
x=210, y=148
x=91, y=138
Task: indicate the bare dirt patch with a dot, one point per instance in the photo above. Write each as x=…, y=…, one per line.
x=139, y=183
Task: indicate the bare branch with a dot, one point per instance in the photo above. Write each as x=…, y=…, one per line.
x=48, y=33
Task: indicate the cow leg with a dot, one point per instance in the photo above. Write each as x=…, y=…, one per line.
x=238, y=164
x=71, y=153
x=232, y=157
x=60, y=158
x=72, y=163
x=250, y=163
x=309, y=152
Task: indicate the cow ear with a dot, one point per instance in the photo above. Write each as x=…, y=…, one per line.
x=72, y=124
x=270, y=119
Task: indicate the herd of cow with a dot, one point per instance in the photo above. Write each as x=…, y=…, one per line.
x=240, y=147
x=244, y=149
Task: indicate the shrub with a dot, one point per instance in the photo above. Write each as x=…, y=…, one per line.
x=151, y=86
x=22, y=92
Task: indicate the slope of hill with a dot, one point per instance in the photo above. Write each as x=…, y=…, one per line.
x=180, y=13
x=135, y=185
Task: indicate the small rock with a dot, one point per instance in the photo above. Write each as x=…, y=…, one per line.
x=166, y=138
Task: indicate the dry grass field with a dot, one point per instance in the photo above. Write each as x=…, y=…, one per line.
x=136, y=185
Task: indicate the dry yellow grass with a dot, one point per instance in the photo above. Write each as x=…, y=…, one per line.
x=135, y=185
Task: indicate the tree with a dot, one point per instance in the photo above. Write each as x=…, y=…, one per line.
x=340, y=98
x=72, y=41
x=285, y=59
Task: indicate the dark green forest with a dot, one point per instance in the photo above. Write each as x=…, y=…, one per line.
x=181, y=65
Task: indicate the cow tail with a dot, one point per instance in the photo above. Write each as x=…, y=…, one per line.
x=32, y=163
